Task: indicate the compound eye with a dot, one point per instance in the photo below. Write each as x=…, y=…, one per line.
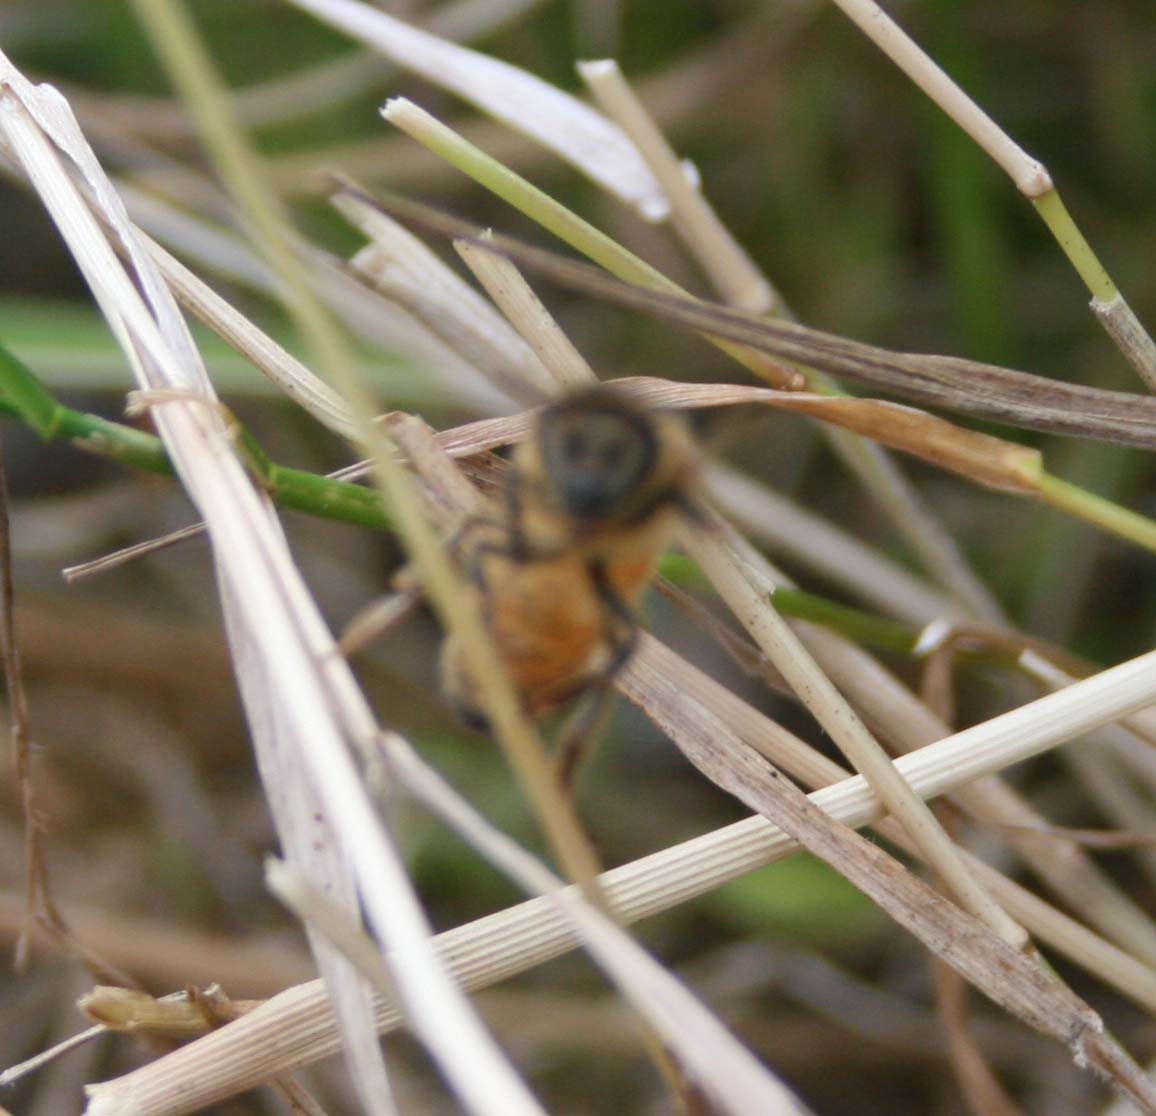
x=574, y=446
x=613, y=454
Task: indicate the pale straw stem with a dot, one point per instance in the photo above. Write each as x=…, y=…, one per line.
x=1029, y=175
x=732, y=272
x=787, y=653
x=536, y=325
x=1132, y=339
x=296, y=1027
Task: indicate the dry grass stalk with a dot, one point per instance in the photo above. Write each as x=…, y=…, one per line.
x=565, y=366
x=277, y=634
x=125, y=554
x=296, y=1027
x=31, y=1065
x=1067, y=870
x=731, y=270
x=571, y=129
x=471, y=1061
x=968, y=387
x=398, y=265
x=982, y=458
x=1028, y=174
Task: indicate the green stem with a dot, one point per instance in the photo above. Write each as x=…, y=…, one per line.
x=1055, y=214
x=330, y=499
x=536, y=204
x=1095, y=509
x=115, y=440
x=554, y=217
x=886, y=634
x=24, y=397
x=856, y=624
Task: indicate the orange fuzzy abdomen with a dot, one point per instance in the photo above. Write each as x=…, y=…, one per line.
x=548, y=623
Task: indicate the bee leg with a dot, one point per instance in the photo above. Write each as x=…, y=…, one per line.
x=372, y=622
x=583, y=726
x=512, y=507
x=621, y=626
x=477, y=538
x=579, y=733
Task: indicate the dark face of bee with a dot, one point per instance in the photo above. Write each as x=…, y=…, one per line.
x=597, y=456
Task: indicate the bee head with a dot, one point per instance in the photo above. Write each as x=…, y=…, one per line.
x=600, y=457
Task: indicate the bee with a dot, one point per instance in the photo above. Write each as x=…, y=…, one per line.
x=561, y=559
